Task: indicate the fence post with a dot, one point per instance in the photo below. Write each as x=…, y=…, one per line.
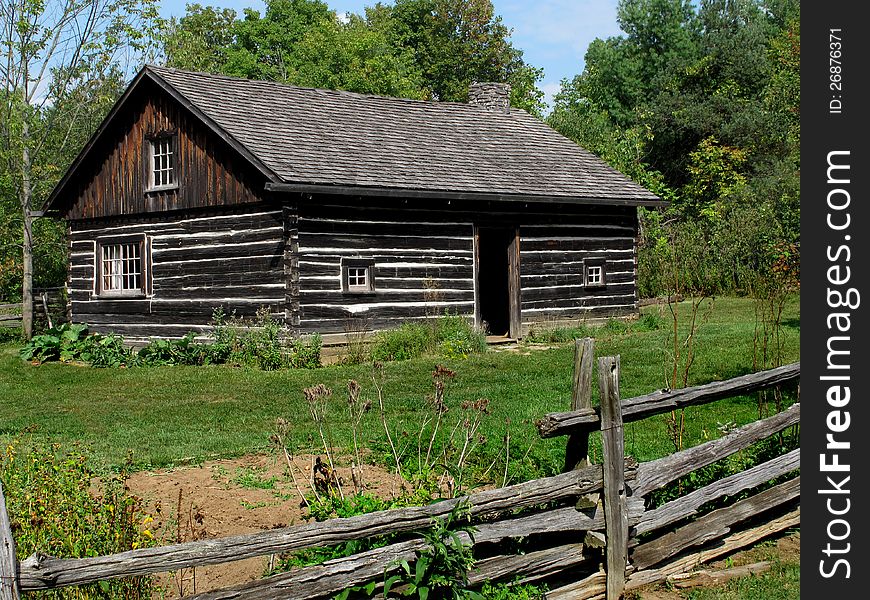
x=577, y=447
x=613, y=450
x=8, y=561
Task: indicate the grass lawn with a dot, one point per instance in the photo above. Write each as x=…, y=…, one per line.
x=172, y=415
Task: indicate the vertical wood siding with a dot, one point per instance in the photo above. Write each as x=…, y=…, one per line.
x=209, y=173
x=199, y=262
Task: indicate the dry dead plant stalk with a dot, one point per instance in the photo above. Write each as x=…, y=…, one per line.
x=316, y=396
x=378, y=377
x=357, y=409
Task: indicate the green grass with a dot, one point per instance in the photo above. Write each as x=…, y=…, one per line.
x=172, y=415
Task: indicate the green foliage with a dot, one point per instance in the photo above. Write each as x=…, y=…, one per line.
x=699, y=103
x=542, y=334
x=260, y=344
x=424, y=49
x=71, y=342
x=451, y=336
x=55, y=511
x=441, y=570
x=513, y=591
x=175, y=352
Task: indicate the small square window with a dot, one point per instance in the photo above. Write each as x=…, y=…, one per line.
x=161, y=163
x=593, y=273
x=121, y=267
x=357, y=275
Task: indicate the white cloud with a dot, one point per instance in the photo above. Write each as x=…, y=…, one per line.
x=550, y=89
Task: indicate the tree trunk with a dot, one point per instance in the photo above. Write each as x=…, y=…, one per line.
x=26, y=209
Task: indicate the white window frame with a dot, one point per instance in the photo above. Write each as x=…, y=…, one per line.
x=594, y=273
x=122, y=267
x=162, y=166
x=358, y=275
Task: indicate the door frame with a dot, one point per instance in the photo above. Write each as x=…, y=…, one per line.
x=514, y=282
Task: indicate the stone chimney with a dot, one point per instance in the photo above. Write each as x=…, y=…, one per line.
x=491, y=96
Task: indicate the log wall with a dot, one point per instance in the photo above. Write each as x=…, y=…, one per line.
x=423, y=265
x=199, y=262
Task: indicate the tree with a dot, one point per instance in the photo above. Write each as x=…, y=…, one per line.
x=429, y=49
x=54, y=54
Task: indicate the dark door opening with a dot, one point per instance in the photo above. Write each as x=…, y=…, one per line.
x=495, y=249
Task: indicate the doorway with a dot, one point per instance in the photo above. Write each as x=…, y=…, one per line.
x=498, y=282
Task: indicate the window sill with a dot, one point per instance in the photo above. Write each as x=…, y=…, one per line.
x=120, y=296
x=360, y=292
x=162, y=188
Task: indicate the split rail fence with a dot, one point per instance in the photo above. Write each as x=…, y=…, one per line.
x=586, y=532
x=49, y=309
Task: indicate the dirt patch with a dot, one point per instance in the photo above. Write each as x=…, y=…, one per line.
x=230, y=497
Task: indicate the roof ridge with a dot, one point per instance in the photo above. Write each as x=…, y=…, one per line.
x=280, y=84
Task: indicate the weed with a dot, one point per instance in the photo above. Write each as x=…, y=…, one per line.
x=53, y=512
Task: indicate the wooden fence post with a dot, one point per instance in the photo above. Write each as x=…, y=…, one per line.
x=8, y=561
x=577, y=447
x=613, y=450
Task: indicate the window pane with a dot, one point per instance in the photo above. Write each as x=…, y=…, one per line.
x=121, y=267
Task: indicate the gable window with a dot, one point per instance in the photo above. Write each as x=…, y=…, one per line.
x=162, y=163
x=593, y=273
x=357, y=275
x=121, y=266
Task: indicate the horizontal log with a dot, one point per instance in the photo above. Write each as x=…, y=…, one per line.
x=590, y=298
x=47, y=572
x=368, y=226
x=716, y=578
x=687, y=506
x=338, y=574
x=658, y=473
x=161, y=242
x=533, y=295
x=389, y=311
x=713, y=525
x=374, y=242
x=269, y=247
x=662, y=401
x=338, y=297
x=251, y=218
x=600, y=243
x=529, y=567
x=593, y=587
x=332, y=282
x=572, y=276
x=412, y=269
x=722, y=547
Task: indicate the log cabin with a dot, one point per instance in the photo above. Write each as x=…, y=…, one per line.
x=338, y=211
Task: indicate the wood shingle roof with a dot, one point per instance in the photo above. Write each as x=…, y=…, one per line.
x=329, y=137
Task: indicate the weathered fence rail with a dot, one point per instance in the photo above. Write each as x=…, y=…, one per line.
x=49, y=309
x=557, y=514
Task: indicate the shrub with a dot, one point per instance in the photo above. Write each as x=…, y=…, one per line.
x=451, y=335
x=54, y=511
x=71, y=342
x=457, y=338
x=409, y=340
x=175, y=352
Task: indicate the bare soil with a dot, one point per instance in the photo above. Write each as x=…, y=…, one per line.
x=230, y=497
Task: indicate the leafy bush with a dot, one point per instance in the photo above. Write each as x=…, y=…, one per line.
x=452, y=336
x=55, y=511
x=175, y=352
x=457, y=338
x=9, y=334
x=409, y=340
x=71, y=342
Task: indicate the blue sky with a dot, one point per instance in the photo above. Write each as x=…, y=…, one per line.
x=553, y=34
